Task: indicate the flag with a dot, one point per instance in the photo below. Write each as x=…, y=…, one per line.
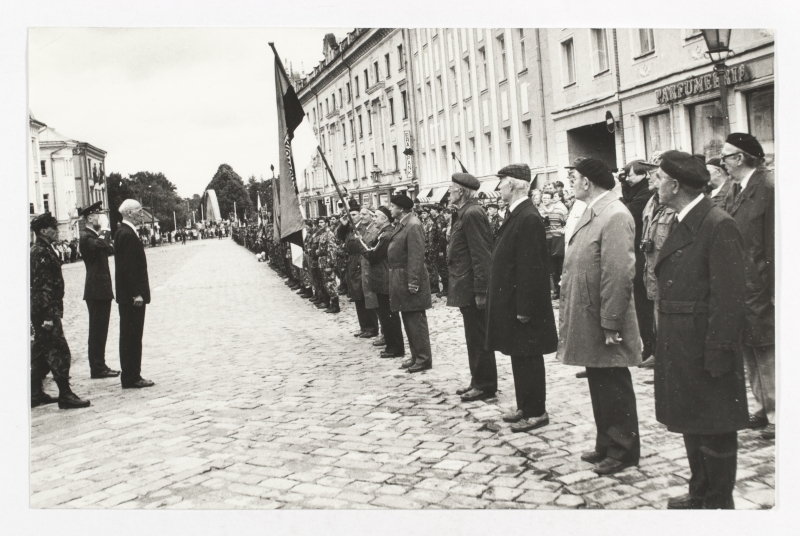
x=258, y=196
x=297, y=147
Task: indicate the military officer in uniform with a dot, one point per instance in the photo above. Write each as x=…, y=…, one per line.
x=429, y=227
x=327, y=256
x=49, y=350
x=97, y=291
x=440, y=248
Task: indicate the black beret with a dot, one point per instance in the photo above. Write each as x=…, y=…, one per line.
x=746, y=143
x=516, y=171
x=386, y=211
x=43, y=221
x=685, y=168
x=466, y=180
x=354, y=205
x=596, y=171
x=402, y=201
x=91, y=209
x=576, y=162
x=700, y=157
x=716, y=162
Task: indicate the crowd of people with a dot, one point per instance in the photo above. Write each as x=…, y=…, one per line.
x=674, y=273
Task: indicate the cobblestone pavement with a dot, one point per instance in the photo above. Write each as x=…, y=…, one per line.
x=262, y=401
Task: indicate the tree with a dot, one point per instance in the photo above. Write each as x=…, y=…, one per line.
x=261, y=188
x=230, y=189
x=153, y=190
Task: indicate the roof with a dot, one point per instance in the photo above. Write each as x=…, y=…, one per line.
x=53, y=136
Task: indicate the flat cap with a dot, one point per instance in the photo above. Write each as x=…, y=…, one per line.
x=685, y=168
x=402, y=201
x=747, y=143
x=91, y=209
x=516, y=171
x=466, y=180
x=596, y=171
x=43, y=221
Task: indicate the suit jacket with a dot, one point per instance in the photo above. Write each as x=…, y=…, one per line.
x=701, y=284
x=469, y=255
x=519, y=284
x=130, y=266
x=95, y=252
x=754, y=211
x=378, y=260
x=597, y=289
x=722, y=195
x=406, y=255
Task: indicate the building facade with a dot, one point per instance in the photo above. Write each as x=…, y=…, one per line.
x=621, y=94
x=35, y=188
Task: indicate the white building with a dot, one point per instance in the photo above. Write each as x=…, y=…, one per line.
x=35, y=189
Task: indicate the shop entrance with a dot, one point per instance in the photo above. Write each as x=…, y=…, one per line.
x=592, y=141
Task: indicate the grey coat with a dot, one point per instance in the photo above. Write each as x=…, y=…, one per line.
x=407, y=265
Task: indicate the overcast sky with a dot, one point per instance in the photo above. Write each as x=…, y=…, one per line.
x=178, y=101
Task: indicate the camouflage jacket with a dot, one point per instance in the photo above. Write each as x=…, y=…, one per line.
x=47, y=284
x=430, y=234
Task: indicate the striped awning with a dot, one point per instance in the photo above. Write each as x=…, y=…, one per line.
x=488, y=188
x=438, y=194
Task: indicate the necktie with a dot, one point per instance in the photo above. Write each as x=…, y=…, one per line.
x=737, y=189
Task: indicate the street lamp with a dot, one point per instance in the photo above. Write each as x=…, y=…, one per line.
x=717, y=42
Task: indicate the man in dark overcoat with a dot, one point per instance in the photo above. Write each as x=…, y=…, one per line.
x=519, y=315
x=133, y=294
x=469, y=261
x=699, y=374
x=409, y=282
x=97, y=291
x=751, y=202
x=367, y=318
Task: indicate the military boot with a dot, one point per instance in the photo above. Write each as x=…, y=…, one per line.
x=38, y=396
x=323, y=304
x=67, y=399
x=334, y=308
x=307, y=293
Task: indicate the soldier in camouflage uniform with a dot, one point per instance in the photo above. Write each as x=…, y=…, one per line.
x=340, y=255
x=440, y=248
x=495, y=220
x=49, y=350
x=321, y=300
x=430, y=249
x=306, y=289
x=326, y=251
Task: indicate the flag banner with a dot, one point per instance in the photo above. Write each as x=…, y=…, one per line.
x=297, y=255
x=276, y=211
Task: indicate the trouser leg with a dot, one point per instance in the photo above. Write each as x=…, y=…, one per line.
x=131, y=329
x=50, y=352
x=433, y=275
x=698, y=482
x=367, y=319
x=416, y=324
x=99, y=316
x=614, y=405
x=556, y=266
x=441, y=265
x=644, y=316
x=482, y=363
x=530, y=384
x=392, y=327
x=759, y=364
x=719, y=459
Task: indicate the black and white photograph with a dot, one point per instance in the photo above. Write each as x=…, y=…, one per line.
x=470, y=267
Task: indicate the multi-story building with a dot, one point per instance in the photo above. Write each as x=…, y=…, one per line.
x=357, y=102
x=621, y=94
x=35, y=167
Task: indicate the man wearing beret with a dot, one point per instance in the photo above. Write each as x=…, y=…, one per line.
x=367, y=318
x=751, y=202
x=49, y=350
x=409, y=284
x=597, y=317
x=719, y=184
x=699, y=379
x=469, y=260
x=97, y=292
x=519, y=315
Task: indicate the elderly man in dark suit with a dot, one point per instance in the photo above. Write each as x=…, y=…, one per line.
x=751, y=202
x=97, y=290
x=133, y=294
x=519, y=315
x=367, y=318
x=597, y=316
x=699, y=380
x=469, y=260
x=409, y=283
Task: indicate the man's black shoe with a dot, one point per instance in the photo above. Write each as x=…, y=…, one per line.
x=513, y=417
x=418, y=367
x=463, y=390
x=108, y=373
x=71, y=401
x=609, y=466
x=138, y=385
x=684, y=502
x=358, y=334
x=407, y=363
x=368, y=335
x=476, y=394
x=582, y=374
x=593, y=457
x=757, y=422
x=768, y=432
x=380, y=341
x=41, y=398
x=332, y=309
x=342, y=292
x=388, y=355
x=322, y=305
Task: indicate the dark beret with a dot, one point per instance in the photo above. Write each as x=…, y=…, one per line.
x=700, y=157
x=354, y=205
x=402, y=201
x=466, y=180
x=386, y=211
x=43, y=221
x=596, y=171
x=576, y=162
x=322, y=218
x=746, y=143
x=516, y=171
x=716, y=162
x=685, y=168
x=91, y=209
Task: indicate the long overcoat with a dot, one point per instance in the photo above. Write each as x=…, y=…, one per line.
x=370, y=298
x=519, y=284
x=469, y=256
x=130, y=266
x=95, y=252
x=378, y=260
x=406, y=257
x=353, y=247
x=754, y=211
x=597, y=289
x=701, y=285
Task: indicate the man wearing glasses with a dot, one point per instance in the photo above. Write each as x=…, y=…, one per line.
x=751, y=202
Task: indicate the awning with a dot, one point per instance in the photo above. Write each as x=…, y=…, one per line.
x=488, y=186
x=438, y=194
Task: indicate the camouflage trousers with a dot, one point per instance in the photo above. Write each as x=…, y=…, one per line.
x=49, y=352
x=329, y=282
x=441, y=264
x=318, y=278
x=430, y=264
x=341, y=271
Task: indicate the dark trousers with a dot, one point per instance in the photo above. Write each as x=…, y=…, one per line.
x=49, y=352
x=482, y=364
x=419, y=339
x=645, y=316
x=530, y=384
x=99, y=315
x=556, y=267
x=391, y=326
x=367, y=319
x=614, y=406
x=131, y=329
x=712, y=459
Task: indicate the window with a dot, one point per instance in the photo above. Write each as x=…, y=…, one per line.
x=364, y=165
x=454, y=86
x=484, y=79
x=369, y=122
x=468, y=78
x=708, y=131
x=656, y=133
x=430, y=97
x=377, y=72
x=46, y=201
x=322, y=139
x=405, y=104
x=327, y=107
x=388, y=65
x=761, y=118
x=320, y=111
x=347, y=169
x=341, y=100
x=599, y=51
x=523, y=62
x=568, y=62
x=396, y=159
x=501, y=41
x=443, y=155
x=509, y=155
x=472, y=153
x=344, y=133
x=647, y=41
x=44, y=168
x=313, y=115
x=366, y=79
x=489, y=155
x=391, y=111
x=372, y=159
x=691, y=34
x=349, y=92
x=360, y=126
x=355, y=170
x=441, y=92
x=401, y=59
x=355, y=81
x=526, y=125
x=352, y=130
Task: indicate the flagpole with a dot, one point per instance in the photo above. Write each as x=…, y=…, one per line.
x=463, y=169
x=338, y=191
x=174, y=220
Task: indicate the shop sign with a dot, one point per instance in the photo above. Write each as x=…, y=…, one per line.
x=409, y=168
x=700, y=84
